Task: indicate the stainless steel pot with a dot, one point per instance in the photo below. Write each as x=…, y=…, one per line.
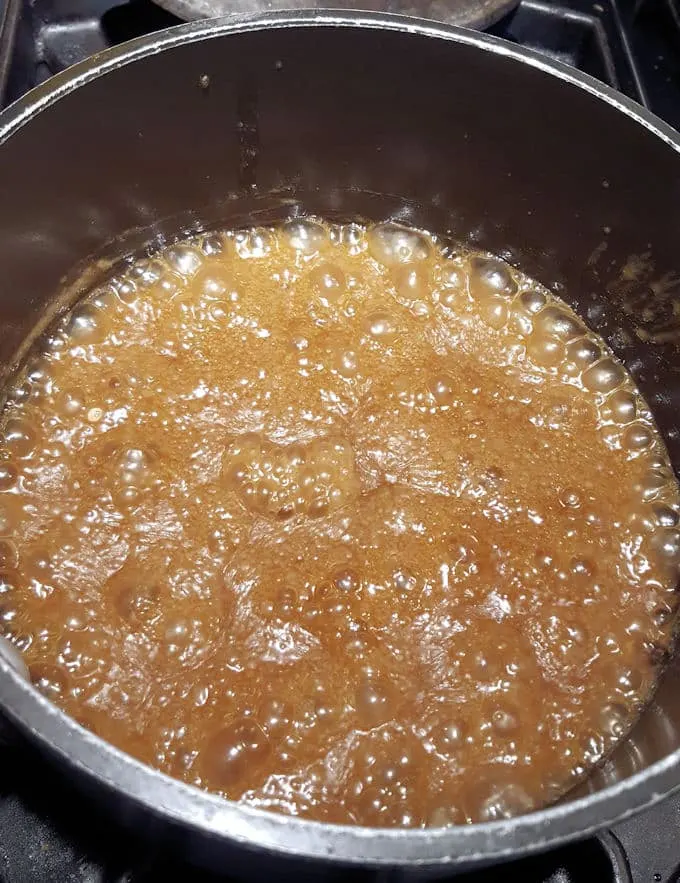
x=464, y=13
x=351, y=115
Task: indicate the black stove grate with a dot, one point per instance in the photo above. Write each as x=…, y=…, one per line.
x=50, y=835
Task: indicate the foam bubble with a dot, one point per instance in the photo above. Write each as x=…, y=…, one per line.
x=665, y=516
x=442, y=390
x=233, y=751
x=305, y=236
x=19, y=437
x=392, y=244
x=329, y=284
x=559, y=323
x=494, y=312
x=382, y=327
x=184, y=259
x=666, y=543
x=637, y=437
x=604, y=376
x=9, y=475
x=490, y=276
x=504, y=720
x=254, y=243
x=531, y=301
x=346, y=363
x=620, y=407
x=545, y=351
x=614, y=720
x=213, y=244
x=504, y=802
x=373, y=702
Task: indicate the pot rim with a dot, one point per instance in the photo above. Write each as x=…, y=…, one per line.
x=177, y=802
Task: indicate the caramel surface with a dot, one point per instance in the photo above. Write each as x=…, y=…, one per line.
x=339, y=523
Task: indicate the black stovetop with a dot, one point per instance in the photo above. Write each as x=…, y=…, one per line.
x=49, y=834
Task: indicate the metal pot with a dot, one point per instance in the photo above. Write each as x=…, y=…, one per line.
x=351, y=115
x=464, y=13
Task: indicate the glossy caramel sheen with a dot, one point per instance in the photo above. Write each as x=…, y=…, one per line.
x=339, y=523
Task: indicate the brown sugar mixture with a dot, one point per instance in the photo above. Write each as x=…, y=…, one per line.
x=338, y=522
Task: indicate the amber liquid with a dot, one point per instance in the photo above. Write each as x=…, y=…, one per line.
x=338, y=523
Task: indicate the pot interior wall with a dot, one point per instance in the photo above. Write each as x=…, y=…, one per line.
x=367, y=123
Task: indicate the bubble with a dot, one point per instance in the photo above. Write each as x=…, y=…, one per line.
x=280, y=481
x=346, y=581
x=347, y=364
x=213, y=244
x=253, y=244
x=49, y=679
x=404, y=581
x=133, y=467
x=20, y=437
x=444, y=817
x=629, y=680
x=494, y=312
x=441, y=389
x=233, y=752
x=138, y=605
x=604, y=376
x=447, y=736
x=329, y=284
x=382, y=327
x=582, y=567
x=665, y=516
x=666, y=543
x=557, y=322
x=307, y=237
x=637, y=437
x=570, y=498
x=583, y=352
x=37, y=371
x=9, y=555
x=412, y=284
x=504, y=720
x=184, y=259
x=547, y=352
x=373, y=703
x=8, y=476
x=392, y=244
x=13, y=657
x=651, y=484
x=613, y=720
x=69, y=403
x=83, y=323
x=126, y=497
x=452, y=275
x=620, y=407
x=532, y=301
x=490, y=276
x=504, y=802
x=351, y=237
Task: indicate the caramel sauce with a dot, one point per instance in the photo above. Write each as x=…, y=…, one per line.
x=339, y=523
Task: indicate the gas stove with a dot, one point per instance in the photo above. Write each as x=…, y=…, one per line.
x=49, y=834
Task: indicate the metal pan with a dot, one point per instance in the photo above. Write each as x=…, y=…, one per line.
x=350, y=116
x=463, y=13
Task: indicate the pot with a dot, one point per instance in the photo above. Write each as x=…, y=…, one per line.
x=350, y=115
x=464, y=13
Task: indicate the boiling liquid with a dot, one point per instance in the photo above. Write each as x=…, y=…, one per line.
x=331, y=522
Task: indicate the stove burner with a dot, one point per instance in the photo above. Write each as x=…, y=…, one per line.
x=49, y=834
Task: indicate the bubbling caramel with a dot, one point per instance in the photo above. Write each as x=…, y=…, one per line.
x=339, y=522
